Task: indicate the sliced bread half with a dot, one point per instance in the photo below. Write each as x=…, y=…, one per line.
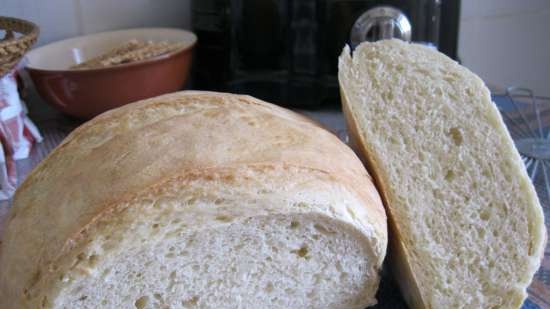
x=467, y=227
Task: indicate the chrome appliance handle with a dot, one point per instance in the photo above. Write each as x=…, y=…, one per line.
x=378, y=23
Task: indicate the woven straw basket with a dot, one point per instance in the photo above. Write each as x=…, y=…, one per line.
x=12, y=46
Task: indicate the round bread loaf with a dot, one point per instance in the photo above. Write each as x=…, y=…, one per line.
x=195, y=200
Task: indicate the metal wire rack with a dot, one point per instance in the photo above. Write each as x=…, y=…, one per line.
x=528, y=119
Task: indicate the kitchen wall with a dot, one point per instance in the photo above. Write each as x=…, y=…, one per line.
x=59, y=19
x=507, y=42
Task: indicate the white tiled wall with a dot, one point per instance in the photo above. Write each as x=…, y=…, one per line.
x=507, y=42
x=60, y=19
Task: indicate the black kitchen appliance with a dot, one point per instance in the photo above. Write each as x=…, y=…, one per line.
x=286, y=51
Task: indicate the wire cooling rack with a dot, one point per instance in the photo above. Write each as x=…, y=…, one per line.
x=528, y=119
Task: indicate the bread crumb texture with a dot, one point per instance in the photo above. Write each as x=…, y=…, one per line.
x=465, y=211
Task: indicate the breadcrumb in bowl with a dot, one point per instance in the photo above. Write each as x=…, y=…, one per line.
x=87, y=92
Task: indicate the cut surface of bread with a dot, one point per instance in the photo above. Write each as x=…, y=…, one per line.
x=466, y=226
x=195, y=200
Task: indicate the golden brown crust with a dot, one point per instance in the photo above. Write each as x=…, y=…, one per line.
x=129, y=151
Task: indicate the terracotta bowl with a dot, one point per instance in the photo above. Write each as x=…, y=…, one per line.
x=89, y=92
